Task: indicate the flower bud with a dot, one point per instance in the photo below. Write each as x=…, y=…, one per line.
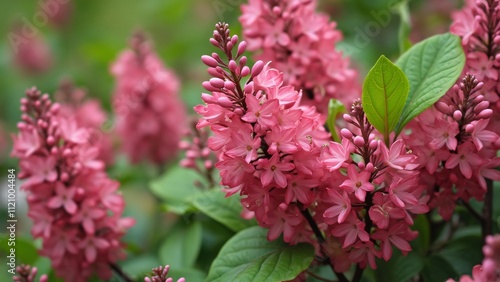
x=184, y=145
x=213, y=72
x=232, y=65
x=243, y=61
x=217, y=82
x=234, y=39
x=205, y=152
x=248, y=88
x=214, y=42
x=224, y=102
x=208, y=86
x=485, y=114
x=245, y=71
x=229, y=85
x=481, y=106
x=209, y=61
x=346, y=133
x=208, y=164
x=457, y=115
x=207, y=98
x=370, y=168
x=373, y=144
x=443, y=108
x=361, y=165
x=359, y=141
x=257, y=68
x=469, y=128
x=241, y=48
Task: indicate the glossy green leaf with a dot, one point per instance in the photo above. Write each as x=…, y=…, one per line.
x=399, y=267
x=249, y=256
x=335, y=107
x=176, y=189
x=437, y=269
x=182, y=245
x=421, y=243
x=384, y=94
x=227, y=211
x=432, y=67
x=463, y=253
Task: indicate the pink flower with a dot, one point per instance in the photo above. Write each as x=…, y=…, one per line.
x=398, y=235
x=337, y=154
x=397, y=157
x=260, y=113
x=466, y=158
x=357, y=182
x=383, y=210
x=480, y=135
x=444, y=133
x=341, y=207
x=26, y=143
x=63, y=198
x=243, y=145
x=273, y=171
x=352, y=230
x=87, y=214
x=90, y=245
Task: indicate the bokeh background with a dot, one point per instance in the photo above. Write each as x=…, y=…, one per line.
x=88, y=37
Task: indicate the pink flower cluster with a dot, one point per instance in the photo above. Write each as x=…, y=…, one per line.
x=478, y=24
x=75, y=207
x=160, y=275
x=198, y=156
x=26, y=273
x=301, y=43
x=490, y=268
x=150, y=115
x=275, y=153
x=31, y=54
x=456, y=151
x=88, y=114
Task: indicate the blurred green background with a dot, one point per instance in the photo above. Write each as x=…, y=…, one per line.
x=96, y=31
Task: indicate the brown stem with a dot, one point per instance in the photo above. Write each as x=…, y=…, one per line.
x=119, y=271
x=487, y=226
x=321, y=239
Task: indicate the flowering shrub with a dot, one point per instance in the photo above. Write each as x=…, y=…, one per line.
x=290, y=168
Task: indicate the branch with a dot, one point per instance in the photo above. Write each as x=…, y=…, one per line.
x=487, y=223
x=320, y=238
x=117, y=269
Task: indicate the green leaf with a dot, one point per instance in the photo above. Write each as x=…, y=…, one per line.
x=421, y=243
x=182, y=245
x=437, y=269
x=335, y=107
x=384, y=94
x=432, y=67
x=176, y=188
x=404, y=26
x=463, y=253
x=224, y=210
x=399, y=267
x=249, y=256
x=25, y=249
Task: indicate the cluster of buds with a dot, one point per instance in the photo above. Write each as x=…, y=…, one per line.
x=160, y=275
x=478, y=24
x=26, y=273
x=301, y=43
x=75, y=207
x=456, y=151
x=198, y=156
